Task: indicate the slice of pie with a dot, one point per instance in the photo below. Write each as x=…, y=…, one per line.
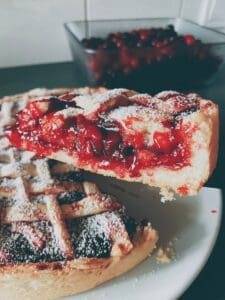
x=169, y=140
x=59, y=235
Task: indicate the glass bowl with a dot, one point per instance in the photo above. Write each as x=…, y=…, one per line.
x=182, y=64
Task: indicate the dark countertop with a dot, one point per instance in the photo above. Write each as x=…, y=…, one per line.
x=210, y=284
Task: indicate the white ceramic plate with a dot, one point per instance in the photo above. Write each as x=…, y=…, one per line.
x=193, y=222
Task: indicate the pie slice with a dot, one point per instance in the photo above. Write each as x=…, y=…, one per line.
x=169, y=140
x=55, y=227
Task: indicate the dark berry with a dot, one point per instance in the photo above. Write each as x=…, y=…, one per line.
x=128, y=151
x=89, y=134
x=21, y=250
x=119, y=43
x=111, y=142
x=70, y=197
x=144, y=35
x=95, y=64
x=134, y=63
x=92, y=245
x=164, y=142
x=189, y=39
x=125, y=56
x=75, y=176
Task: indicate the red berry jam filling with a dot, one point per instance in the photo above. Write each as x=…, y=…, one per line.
x=103, y=143
x=150, y=59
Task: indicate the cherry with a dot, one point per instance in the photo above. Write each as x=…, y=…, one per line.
x=95, y=64
x=144, y=34
x=134, y=63
x=89, y=135
x=125, y=56
x=119, y=43
x=157, y=44
x=94, y=134
x=189, y=39
x=164, y=142
x=111, y=142
x=166, y=41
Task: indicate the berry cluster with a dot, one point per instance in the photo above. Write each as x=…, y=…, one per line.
x=143, y=59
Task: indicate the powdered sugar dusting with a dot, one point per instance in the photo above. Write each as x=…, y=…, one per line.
x=69, y=112
x=122, y=113
x=141, y=113
x=44, y=172
x=21, y=250
x=91, y=103
x=94, y=237
x=87, y=235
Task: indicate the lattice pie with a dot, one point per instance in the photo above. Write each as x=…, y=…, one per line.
x=169, y=140
x=59, y=234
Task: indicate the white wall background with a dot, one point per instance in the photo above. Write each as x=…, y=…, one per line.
x=31, y=31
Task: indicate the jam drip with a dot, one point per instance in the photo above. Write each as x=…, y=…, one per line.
x=103, y=143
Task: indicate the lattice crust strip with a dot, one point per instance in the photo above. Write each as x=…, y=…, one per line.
x=60, y=230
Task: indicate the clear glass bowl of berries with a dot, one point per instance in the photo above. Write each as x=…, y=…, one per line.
x=146, y=55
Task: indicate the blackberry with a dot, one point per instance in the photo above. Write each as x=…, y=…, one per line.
x=74, y=176
x=89, y=245
x=70, y=197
